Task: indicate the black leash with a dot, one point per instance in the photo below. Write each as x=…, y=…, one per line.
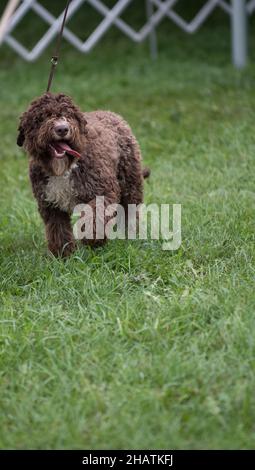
x=55, y=57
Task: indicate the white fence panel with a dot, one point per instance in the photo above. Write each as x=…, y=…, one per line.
x=157, y=10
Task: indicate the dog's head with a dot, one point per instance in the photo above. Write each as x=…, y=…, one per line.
x=52, y=131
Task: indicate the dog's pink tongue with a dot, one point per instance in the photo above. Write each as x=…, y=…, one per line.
x=65, y=147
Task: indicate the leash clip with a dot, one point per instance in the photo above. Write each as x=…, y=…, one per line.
x=54, y=60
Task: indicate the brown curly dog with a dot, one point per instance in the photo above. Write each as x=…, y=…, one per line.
x=75, y=157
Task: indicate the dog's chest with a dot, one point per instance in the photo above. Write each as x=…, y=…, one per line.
x=60, y=192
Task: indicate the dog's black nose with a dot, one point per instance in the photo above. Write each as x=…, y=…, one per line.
x=61, y=129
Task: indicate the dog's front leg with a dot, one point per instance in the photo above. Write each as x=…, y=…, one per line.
x=59, y=232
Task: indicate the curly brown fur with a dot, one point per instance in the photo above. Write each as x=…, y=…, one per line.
x=54, y=132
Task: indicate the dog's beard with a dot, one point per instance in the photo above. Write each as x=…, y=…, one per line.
x=62, y=154
x=59, y=166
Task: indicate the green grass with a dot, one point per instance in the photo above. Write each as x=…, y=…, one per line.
x=129, y=346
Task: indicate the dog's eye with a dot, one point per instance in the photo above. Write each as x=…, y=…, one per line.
x=39, y=119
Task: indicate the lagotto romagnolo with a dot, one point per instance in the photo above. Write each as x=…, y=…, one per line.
x=76, y=157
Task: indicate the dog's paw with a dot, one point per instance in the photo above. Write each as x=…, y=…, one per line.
x=62, y=251
x=94, y=243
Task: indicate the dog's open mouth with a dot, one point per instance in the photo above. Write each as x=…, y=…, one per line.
x=61, y=149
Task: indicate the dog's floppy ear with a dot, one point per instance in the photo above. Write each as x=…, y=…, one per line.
x=21, y=137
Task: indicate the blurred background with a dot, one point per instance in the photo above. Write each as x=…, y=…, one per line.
x=101, y=16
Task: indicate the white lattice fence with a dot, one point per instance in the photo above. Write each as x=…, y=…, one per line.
x=157, y=10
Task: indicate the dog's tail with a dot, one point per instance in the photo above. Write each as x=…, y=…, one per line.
x=146, y=172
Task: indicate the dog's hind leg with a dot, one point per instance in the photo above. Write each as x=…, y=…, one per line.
x=131, y=179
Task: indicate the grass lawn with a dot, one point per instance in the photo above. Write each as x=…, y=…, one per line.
x=129, y=346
